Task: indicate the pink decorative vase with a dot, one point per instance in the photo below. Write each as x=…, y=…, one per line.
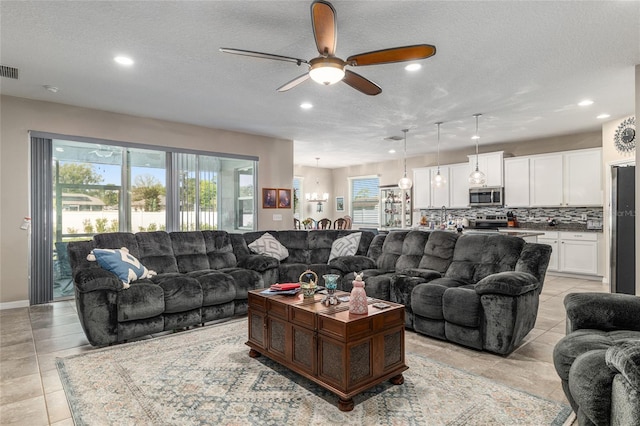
x=358, y=299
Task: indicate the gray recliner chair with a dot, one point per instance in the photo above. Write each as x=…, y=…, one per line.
x=598, y=360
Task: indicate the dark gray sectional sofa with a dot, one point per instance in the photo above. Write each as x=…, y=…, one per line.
x=201, y=277
x=479, y=291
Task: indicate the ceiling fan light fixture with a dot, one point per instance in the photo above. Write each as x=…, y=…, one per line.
x=326, y=71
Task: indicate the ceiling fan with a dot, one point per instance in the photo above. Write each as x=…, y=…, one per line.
x=327, y=68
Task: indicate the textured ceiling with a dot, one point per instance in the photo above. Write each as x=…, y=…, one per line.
x=525, y=65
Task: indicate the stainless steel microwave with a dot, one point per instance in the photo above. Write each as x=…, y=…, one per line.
x=487, y=196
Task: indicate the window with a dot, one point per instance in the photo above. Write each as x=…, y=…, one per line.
x=101, y=187
x=364, y=197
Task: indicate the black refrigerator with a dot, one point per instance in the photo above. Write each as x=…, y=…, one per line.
x=623, y=230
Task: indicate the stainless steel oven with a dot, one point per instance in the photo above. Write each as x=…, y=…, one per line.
x=487, y=196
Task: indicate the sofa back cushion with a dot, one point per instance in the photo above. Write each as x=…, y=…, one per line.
x=534, y=259
x=438, y=251
x=297, y=243
x=477, y=256
x=116, y=240
x=391, y=250
x=189, y=251
x=219, y=249
x=412, y=250
x=156, y=251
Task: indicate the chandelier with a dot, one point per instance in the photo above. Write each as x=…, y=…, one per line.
x=316, y=197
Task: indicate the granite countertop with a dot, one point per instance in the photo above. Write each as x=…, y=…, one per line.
x=562, y=227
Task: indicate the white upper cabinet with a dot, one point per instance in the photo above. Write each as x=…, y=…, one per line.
x=421, y=188
x=440, y=194
x=516, y=182
x=491, y=165
x=583, y=178
x=546, y=180
x=459, y=185
x=572, y=178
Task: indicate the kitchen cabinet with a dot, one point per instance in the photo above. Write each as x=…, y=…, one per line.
x=572, y=178
x=394, y=205
x=421, y=188
x=551, y=238
x=516, y=182
x=453, y=193
x=579, y=252
x=439, y=194
x=583, y=178
x=458, y=186
x=546, y=180
x=572, y=252
x=491, y=165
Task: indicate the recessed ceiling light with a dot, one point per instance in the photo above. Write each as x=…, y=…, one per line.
x=603, y=116
x=392, y=151
x=306, y=105
x=413, y=67
x=59, y=149
x=123, y=60
x=475, y=137
x=52, y=89
x=586, y=102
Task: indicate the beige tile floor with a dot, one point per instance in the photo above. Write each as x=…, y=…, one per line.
x=31, y=339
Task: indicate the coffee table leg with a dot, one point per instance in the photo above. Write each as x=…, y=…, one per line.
x=253, y=353
x=345, y=404
x=397, y=380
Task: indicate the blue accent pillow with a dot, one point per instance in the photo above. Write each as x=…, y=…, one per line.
x=121, y=263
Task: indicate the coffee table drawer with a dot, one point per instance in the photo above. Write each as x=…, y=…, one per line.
x=303, y=317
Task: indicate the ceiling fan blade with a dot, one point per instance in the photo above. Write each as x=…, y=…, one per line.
x=396, y=54
x=293, y=83
x=262, y=55
x=360, y=83
x=325, y=29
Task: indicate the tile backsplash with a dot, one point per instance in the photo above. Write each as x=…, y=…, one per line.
x=566, y=215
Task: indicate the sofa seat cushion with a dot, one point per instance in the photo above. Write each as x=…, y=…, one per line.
x=379, y=286
x=347, y=279
x=217, y=287
x=245, y=280
x=426, y=299
x=575, y=344
x=590, y=382
x=401, y=288
x=142, y=300
x=461, y=306
x=425, y=274
x=181, y=292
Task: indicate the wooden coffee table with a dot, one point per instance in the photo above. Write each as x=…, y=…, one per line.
x=341, y=352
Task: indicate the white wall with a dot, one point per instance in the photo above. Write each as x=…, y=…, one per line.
x=18, y=116
x=637, y=88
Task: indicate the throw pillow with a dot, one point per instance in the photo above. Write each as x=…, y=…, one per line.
x=345, y=246
x=121, y=263
x=269, y=246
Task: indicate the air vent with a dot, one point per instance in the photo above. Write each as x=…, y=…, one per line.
x=8, y=72
x=394, y=138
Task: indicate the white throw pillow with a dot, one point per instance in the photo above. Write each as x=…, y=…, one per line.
x=345, y=246
x=269, y=246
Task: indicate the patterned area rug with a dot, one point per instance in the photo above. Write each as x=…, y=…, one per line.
x=205, y=377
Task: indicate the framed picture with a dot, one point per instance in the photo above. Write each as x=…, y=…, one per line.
x=269, y=198
x=284, y=198
x=339, y=204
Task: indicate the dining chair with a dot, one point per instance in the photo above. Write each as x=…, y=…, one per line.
x=340, y=223
x=324, y=223
x=296, y=223
x=310, y=223
x=349, y=222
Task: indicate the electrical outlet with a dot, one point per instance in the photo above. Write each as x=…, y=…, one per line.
x=583, y=216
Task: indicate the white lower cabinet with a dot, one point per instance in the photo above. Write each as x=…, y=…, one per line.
x=579, y=253
x=551, y=238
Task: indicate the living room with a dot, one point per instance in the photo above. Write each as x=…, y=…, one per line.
x=281, y=158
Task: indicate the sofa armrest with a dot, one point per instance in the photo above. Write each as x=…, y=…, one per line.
x=258, y=262
x=346, y=264
x=602, y=311
x=625, y=358
x=510, y=283
x=96, y=279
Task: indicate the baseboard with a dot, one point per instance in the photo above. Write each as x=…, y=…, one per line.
x=14, y=305
x=579, y=276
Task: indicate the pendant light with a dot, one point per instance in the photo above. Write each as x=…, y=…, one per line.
x=438, y=180
x=405, y=182
x=315, y=197
x=477, y=177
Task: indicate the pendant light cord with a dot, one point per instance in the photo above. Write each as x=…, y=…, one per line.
x=405, y=151
x=477, y=137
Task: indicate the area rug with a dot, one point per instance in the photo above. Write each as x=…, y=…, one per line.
x=205, y=377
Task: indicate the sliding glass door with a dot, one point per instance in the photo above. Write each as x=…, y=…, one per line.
x=101, y=187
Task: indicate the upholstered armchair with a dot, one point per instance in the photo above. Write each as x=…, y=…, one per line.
x=598, y=360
